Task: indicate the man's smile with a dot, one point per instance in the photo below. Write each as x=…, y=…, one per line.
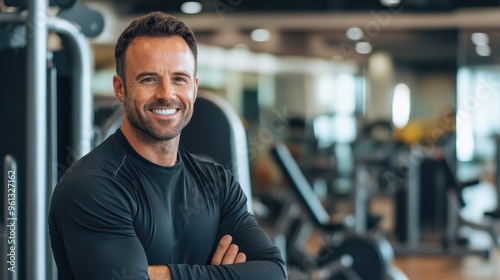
x=164, y=112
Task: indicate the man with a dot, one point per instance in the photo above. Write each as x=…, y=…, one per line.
x=123, y=210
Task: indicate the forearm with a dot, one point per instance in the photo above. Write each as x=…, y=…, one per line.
x=251, y=270
x=159, y=272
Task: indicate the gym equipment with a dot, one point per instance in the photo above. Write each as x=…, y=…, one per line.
x=495, y=214
x=24, y=4
x=353, y=257
x=91, y=22
x=364, y=221
x=410, y=217
x=373, y=151
x=32, y=119
x=112, y=121
x=217, y=133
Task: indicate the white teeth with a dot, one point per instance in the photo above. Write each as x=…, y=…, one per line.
x=164, y=111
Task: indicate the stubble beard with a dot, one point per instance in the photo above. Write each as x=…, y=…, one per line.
x=147, y=128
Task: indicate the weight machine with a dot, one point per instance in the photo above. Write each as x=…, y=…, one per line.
x=36, y=123
x=446, y=190
x=354, y=256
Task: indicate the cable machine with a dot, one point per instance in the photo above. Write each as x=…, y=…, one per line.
x=31, y=115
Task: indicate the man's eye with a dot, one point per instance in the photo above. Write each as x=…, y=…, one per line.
x=147, y=80
x=180, y=79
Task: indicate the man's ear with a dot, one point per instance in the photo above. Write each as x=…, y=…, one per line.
x=195, y=88
x=119, y=88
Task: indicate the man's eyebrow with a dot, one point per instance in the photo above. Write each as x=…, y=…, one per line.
x=145, y=74
x=182, y=73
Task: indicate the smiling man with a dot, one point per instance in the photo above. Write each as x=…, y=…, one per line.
x=121, y=212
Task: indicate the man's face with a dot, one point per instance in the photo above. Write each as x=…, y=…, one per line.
x=160, y=86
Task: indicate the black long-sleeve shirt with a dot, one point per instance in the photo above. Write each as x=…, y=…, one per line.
x=113, y=213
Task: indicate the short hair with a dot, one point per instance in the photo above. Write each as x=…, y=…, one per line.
x=154, y=24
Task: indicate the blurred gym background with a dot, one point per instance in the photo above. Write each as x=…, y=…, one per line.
x=386, y=103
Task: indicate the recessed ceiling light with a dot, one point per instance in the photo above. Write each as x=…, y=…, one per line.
x=390, y=2
x=401, y=104
x=354, y=33
x=483, y=50
x=260, y=35
x=191, y=7
x=480, y=39
x=363, y=47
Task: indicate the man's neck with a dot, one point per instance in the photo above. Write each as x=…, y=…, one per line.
x=163, y=153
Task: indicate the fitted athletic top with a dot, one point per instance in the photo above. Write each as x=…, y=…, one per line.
x=113, y=213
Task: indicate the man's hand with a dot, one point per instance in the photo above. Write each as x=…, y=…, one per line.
x=159, y=272
x=227, y=253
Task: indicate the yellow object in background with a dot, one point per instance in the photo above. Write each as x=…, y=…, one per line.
x=430, y=131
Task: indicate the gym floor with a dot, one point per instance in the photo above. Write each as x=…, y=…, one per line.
x=450, y=268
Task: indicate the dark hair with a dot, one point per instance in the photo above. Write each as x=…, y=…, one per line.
x=154, y=24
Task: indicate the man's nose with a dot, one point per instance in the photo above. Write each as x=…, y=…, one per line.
x=166, y=91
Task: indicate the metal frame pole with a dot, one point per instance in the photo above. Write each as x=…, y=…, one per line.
x=413, y=200
x=360, y=198
x=52, y=152
x=36, y=175
x=81, y=88
x=38, y=25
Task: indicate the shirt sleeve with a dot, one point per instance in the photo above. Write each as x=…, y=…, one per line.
x=92, y=234
x=264, y=260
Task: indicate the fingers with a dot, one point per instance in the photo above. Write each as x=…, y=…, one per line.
x=158, y=272
x=227, y=253
x=240, y=258
x=230, y=255
x=221, y=250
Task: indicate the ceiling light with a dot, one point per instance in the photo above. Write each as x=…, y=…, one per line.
x=363, y=47
x=354, y=33
x=260, y=35
x=480, y=39
x=401, y=106
x=390, y=2
x=483, y=50
x=191, y=7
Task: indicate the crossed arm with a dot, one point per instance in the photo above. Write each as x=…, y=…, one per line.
x=226, y=253
x=96, y=239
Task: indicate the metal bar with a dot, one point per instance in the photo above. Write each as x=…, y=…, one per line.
x=82, y=106
x=82, y=92
x=360, y=198
x=453, y=213
x=413, y=201
x=12, y=18
x=36, y=175
x=52, y=152
x=10, y=255
x=497, y=169
x=37, y=24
